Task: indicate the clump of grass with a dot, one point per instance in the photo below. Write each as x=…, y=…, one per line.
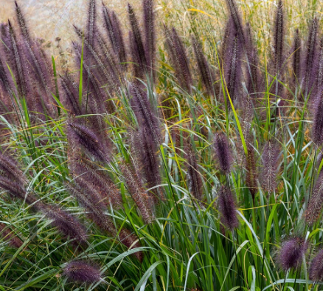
x=142, y=190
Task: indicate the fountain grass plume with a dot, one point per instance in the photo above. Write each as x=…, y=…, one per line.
x=9, y=236
x=95, y=179
x=251, y=171
x=309, y=64
x=193, y=175
x=82, y=272
x=291, y=253
x=112, y=26
x=70, y=95
x=317, y=126
x=270, y=160
x=86, y=138
x=145, y=151
x=145, y=114
x=178, y=58
x=137, y=44
x=279, y=33
x=235, y=15
x=138, y=193
x=206, y=73
x=223, y=152
x=66, y=223
x=150, y=34
x=315, y=204
x=316, y=267
x=232, y=67
x=227, y=206
x=296, y=60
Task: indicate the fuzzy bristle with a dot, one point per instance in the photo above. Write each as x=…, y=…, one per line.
x=316, y=268
x=223, y=152
x=194, y=176
x=82, y=272
x=291, y=253
x=227, y=207
x=251, y=171
x=67, y=224
x=270, y=159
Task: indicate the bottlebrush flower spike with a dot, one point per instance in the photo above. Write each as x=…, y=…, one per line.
x=234, y=12
x=178, y=58
x=223, y=152
x=145, y=151
x=232, y=66
x=317, y=126
x=270, y=160
x=67, y=224
x=251, y=175
x=150, y=34
x=316, y=268
x=82, y=272
x=87, y=138
x=227, y=208
x=138, y=193
x=206, y=74
x=279, y=37
x=9, y=236
x=297, y=58
x=112, y=25
x=137, y=38
x=315, y=203
x=194, y=176
x=309, y=66
x=291, y=253
x=145, y=114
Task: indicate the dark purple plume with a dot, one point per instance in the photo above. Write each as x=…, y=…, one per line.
x=309, y=65
x=279, y=37
x=315, y=204
x=297, y=58
x=317, y=126
x=135, y=188
x=232, y=66
x=82, y=272
x=150, y=35
x=251, y=171
x=66, y=223
x=193, y=174
x=206, y=73
x=112, y=25
x=9, y=236
x=223, y=152
x=316, y=268
x=228, y=208
x=95, y=182
x=253, y=76
x=146, y=153
x=137, y=44
x=270, y=160
x=178, y=58
x=145, y=114
x=235, y=15
x=89, y=140
x=291, y=253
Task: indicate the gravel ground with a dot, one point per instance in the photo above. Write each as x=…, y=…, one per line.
x=49, y=19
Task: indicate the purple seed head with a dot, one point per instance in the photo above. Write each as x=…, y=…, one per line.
x=291, y=253
x=227, y=208
x=316, y=267
x=223, y=152
x=82, y=272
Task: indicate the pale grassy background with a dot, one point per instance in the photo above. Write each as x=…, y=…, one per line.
x=49, y=19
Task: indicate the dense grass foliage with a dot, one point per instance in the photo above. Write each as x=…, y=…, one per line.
x=162, y=162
